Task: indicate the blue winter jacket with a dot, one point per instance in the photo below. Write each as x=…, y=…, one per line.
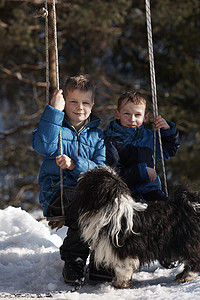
x=130, y=151
x=86, y=148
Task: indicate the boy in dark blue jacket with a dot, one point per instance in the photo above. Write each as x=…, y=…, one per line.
x=83, y=149
x=130, y=146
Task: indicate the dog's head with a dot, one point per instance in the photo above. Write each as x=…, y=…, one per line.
x=99, y=187
x=183, y=195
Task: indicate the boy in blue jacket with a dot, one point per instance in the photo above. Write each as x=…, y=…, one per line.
x=130, y=146
x=83, y=149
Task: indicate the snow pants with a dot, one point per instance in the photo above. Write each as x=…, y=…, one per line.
x=73, y=246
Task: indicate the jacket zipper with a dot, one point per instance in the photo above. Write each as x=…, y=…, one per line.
x=77, y=144
x=78, y=134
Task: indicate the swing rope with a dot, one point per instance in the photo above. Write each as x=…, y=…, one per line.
x=55, y=44
x=153, y=89
x=47, y=52
x=57, y=87
x=44, y=13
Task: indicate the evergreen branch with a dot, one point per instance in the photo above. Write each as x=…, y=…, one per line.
x=12, y=131
x=19, y=76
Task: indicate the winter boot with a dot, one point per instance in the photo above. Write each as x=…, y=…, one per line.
x=73, y=271
x=100, y=273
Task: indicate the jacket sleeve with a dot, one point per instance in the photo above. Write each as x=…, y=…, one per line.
x=135, y=174
x=83, y=164
x=170, y=142
x=45, y=138
x=132, y=173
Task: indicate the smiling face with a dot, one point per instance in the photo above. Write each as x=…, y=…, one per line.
x=78, y=106
x=130, y=114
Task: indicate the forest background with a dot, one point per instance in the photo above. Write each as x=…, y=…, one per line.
x=107, y=40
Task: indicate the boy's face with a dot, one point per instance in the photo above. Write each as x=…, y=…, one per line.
x=78, y=106
x=131, y=115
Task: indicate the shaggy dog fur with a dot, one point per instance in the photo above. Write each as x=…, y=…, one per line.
x=126, y=234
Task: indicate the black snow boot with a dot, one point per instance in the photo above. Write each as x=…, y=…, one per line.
x=73, y=271
x=101, y=273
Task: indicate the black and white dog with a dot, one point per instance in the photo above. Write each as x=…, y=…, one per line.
x=126, y=234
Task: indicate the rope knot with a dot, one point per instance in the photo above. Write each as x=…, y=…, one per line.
x=43, y=12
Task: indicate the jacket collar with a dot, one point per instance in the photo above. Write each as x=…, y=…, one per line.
x=91, y=121
x=117, y=129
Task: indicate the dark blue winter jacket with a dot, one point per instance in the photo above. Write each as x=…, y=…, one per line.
x=86, y=148
x=130, y=151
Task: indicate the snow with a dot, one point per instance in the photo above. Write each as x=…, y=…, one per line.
x=30, y=267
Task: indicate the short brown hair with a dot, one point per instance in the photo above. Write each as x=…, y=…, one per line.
x=79, y=82
x=132, y=96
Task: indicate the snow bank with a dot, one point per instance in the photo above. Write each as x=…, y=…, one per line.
x=30, y=263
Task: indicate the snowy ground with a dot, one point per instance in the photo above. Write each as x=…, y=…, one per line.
x=30, y=267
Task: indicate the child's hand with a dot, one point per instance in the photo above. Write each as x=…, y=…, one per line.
x=160, y=123
x=152, y=174
x=58, y=101
x=65, y=162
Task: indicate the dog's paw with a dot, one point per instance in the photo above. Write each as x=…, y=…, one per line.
x=186, y=276
x=125, y=284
